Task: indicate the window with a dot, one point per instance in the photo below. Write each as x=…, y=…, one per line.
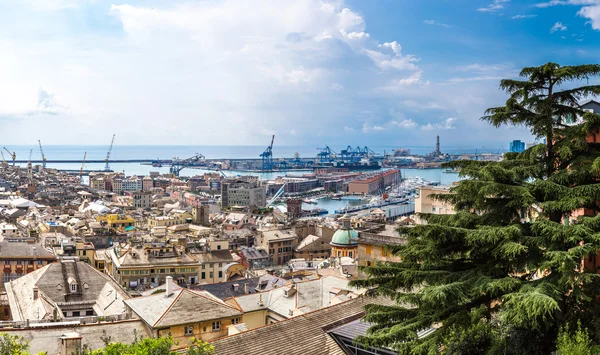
x=220, y=274
x=76, y=314
x=89, y=313
x=212, y=275
x=368, y=249
x=203, y=275
x=73, y=287
x=189, y=330
x=220, y=264
x=235, y=320
x=218, y=246
x=84, y=252
x=383, y=251
x=172, y=270
x=6, y=262
x=216, y=326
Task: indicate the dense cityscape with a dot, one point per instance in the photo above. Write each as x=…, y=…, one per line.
x=267, y=177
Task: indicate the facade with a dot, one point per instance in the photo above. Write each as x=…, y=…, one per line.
x=313, y=247
x=132, y=184
x=171, y=220
x=185, y=314
x=147, y=183
x=19, y=258
x=242, y=193
x=294, y=207
x=426, y=204
x=374, y=243
x=296, y=185
x=142, y=199
x=279, y=243
x=200, y=215
x=150, y=264
x=8, y=230
x=374, y=184
x=516, y=146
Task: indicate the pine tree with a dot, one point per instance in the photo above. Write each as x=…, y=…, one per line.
x=511, y=257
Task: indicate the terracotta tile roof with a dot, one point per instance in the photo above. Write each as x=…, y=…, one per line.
x=304, y=334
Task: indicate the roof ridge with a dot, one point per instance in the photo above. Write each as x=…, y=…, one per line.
x=221, y=303
x=168, y=308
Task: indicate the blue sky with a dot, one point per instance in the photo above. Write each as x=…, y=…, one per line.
x=313, y=72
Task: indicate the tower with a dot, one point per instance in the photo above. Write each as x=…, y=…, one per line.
x=294, y=207
x=437, y=146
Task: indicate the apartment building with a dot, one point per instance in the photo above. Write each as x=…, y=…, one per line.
x=141, y=266
x=425, y=203
x=375, y=184
x=142, y=199
x=246, y=193
x=20, y=258
x=279, y=243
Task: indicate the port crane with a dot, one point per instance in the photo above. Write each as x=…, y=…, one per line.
x=107, y=166
x=42, y=153
x=326, y=154
x=3, y=160
x=179, y=164
x=82, y=167
x=267, y=156
x=13, y=155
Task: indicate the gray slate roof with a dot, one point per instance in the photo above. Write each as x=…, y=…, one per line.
x=224, y=290
x=183, y=306
x=16, y=250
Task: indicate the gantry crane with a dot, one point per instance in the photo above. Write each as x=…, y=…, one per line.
x=43, y=156
x=82, y=167
x=13, y=155
x=3, y=160
x=107, y=166
x=267, y=156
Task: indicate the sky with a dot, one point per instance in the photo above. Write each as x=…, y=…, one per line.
x=312, y=72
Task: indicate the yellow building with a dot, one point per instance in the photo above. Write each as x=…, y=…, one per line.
x=185, y=314
x=116, y=221
x=374, y=245
x=173, y=219
x=425, y=203
x=86, y=252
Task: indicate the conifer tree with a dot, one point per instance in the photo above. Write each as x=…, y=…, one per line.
x=512, y=256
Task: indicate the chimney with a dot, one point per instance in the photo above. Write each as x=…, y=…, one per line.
x=246, y=288
x=35, y=292
x=169, y=286
x=260, y=300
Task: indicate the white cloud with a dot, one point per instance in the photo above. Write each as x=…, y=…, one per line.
x=519, y=17
x=434, y=22
x=558, y=26
x=366, y=128
x=385, y=62
x=394, y=46
x=494, y=6
x=446, y=124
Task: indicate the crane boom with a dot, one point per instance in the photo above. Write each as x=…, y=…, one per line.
x=272, y=140
x=43, y=156
x=3, y=160
x=13, y=155
x=107, y=166
x=82, y=167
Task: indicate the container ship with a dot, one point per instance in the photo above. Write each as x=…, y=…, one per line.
x=363, y=164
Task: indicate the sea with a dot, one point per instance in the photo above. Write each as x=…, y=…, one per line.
x=124, y=152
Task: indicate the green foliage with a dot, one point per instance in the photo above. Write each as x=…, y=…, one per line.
x=509, y=262
x=13, y=345
x=578, y=343
x=200, y=347
x=145, y=346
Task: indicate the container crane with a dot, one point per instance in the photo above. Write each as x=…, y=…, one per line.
x=106, y=166
x=43, y=156
x=82, y=167
x=13, y=155
x=267, y=156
